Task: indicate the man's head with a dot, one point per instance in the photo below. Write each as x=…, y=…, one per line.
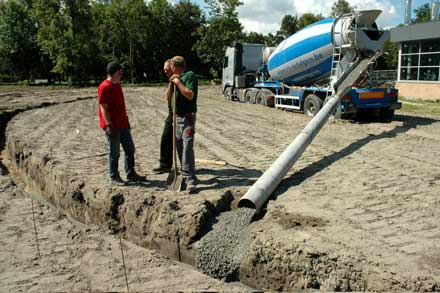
x=114, y=71
x=167, y=68
x=178, y=64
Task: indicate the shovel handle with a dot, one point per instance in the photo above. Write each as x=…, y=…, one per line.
x=174, y=131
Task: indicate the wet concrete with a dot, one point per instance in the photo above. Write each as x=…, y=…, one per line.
x=220, y=253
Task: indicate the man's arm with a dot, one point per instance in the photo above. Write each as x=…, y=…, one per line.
x=169, y=91
x=106, y=114
x=186, y=92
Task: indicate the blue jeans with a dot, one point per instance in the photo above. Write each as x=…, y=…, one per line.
x=115, y=138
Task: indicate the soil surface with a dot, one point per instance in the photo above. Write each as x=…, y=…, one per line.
x=359, y=211
x=78, y=258
x=73, y=256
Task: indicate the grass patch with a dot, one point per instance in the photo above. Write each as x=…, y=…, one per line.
x=431, y=107
x=10, y=88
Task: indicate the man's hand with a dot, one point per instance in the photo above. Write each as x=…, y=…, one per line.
x=106, y=114
x=108, y=129
x=187, y=93
x=175, y=78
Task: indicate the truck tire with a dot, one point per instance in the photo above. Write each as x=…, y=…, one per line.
x=312, y=105
x=228, y=94
x=249, y=97
x=386, y=114
x=260, y=98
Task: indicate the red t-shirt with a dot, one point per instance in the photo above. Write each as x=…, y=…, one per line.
x=111, y=94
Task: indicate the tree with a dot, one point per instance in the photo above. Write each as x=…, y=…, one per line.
x=221, y=29
x=137, y=16
x=307, y=19
x=255, y=38
x=341, y=7
x=76, y=38
x=423, y=13
x=389, y=58
x=187, y=19
x=19, y=52
x=289, y=26
x=272, y=40
x=65, y=34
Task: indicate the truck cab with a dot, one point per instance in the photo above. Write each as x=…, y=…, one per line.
x=241, y=65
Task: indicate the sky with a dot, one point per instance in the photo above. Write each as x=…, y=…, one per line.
x=264, y=16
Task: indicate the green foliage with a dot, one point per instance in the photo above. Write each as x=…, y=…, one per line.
x=73, y=40
x=389, y=58
x=341, y=7
x=255, y=38
x=307, y=19
x=422, y=13
x=19, y=52
x=223, y=8
x=64, y=34
x=289, y=26
x=221, y=30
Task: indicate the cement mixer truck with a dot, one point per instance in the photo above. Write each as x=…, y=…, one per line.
x=297, y=74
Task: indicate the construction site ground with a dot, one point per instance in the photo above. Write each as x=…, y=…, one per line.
x=359, y=211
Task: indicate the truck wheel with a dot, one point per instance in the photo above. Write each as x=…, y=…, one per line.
x=260, y=98
x=386, y=113
x=249, y=97
x=312, y=105
x=228, y=93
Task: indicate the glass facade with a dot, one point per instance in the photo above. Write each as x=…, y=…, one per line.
x=420, y=60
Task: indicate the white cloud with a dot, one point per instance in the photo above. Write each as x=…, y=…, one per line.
x=265, y=16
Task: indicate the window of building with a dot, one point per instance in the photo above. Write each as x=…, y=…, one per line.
x=428, y=73
x=410, y=60
x=431, y=45
x=420, y=60
x=430, y=59
x=408, y=73
x=410, y=47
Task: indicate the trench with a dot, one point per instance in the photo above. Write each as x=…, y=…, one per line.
x=214, y=242
x=209, y=235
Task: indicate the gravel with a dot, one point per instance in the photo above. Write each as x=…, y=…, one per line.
x=219, y=253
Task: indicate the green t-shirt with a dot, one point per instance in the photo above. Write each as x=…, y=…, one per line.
x=183, y=105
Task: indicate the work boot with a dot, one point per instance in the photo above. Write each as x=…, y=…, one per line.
x=117, y=181
x=162, y=170
x=191, y=188
x=136, y=178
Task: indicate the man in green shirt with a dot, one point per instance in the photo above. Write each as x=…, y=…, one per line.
x=186, y=109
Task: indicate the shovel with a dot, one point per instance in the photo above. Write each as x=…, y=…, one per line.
x=175, y=179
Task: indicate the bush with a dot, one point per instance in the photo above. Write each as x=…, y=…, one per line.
x=23, y=82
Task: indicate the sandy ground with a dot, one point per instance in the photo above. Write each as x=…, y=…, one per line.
x=364, y=196
x=75, y=257
x=78, y=258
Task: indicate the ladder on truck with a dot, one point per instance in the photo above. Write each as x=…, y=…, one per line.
x=335, y=72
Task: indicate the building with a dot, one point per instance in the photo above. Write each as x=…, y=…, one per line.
x=419, y=59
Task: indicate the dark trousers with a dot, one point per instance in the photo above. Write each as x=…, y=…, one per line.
x=166, y=143
x=115, y=139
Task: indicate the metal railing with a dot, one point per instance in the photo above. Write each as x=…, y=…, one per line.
x=382, y=76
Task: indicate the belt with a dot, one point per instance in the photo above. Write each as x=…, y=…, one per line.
x=187, y=115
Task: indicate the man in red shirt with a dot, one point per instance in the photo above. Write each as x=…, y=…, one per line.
x=114, y=121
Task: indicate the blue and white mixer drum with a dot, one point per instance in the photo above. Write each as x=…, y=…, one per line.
x=305, y=56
